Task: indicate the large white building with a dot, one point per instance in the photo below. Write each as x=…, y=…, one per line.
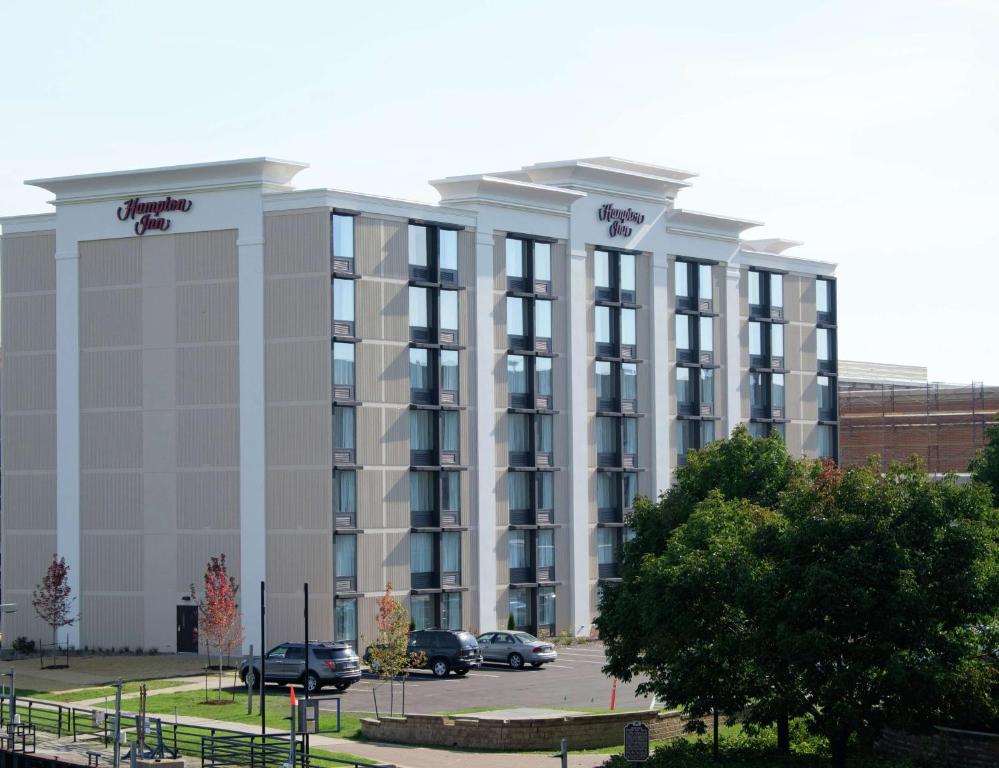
x=461, y=399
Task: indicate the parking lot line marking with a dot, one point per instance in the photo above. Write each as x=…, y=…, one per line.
x=482, y=674
x=559, y=666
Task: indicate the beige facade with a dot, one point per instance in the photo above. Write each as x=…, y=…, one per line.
x=265, y=378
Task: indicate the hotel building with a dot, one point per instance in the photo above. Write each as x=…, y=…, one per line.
x=461, y=399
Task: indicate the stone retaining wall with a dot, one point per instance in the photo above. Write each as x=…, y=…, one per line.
x=517, y=735
x=943, y=747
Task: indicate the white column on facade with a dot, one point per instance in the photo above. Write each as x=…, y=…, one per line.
x=68, y=424
x=485, y=433
x=661, y=372
x=579, y=501
x=252, y=443
x=733, y=351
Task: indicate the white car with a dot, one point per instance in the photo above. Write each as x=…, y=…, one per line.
x=516, y=649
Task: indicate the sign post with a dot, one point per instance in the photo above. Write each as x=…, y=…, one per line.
x=636, y=742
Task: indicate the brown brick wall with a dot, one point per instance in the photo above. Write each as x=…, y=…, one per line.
x=581, y=731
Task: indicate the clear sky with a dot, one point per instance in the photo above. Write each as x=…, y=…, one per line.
x=867, y=129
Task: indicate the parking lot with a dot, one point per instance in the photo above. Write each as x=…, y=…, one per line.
x=573, y=682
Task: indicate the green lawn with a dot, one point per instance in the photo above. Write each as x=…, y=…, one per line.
x=101, y=691
x=192, y=704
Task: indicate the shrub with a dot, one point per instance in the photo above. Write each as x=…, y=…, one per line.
x=23, y=646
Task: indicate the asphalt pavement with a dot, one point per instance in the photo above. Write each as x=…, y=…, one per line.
x=573, y=682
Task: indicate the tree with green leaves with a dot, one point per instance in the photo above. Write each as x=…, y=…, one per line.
x=985, y=466
x=888, y=578
x=741, y=469
x=389, y=656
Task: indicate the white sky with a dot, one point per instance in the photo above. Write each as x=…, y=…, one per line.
x=867, y=129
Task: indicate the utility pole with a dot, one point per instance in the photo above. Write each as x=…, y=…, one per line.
x=263, y=663
x=305, y=736
x=116, y=731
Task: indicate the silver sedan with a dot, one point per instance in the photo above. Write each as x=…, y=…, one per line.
x=516, y=649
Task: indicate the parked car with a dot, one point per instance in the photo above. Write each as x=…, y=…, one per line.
x=443, y=651
x=516, y=649
x=330, y=664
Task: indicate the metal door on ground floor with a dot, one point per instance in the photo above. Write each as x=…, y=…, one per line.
x=187, y=629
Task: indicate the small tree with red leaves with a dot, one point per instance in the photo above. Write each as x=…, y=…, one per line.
x=51, y=599
x=389, y=657
x=219, y=616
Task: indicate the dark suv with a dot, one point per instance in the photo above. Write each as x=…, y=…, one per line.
x=443, y=651
x=333, y=664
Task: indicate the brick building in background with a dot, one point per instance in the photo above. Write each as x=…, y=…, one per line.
x=894, y=411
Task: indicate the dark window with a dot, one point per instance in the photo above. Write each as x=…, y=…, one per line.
x=693, y=286
x=826, y=439
x=766, y=294
x=420, y=314
x=342, y=243
x=692, y=434
x=614, y=276
x=826, y=349
x=343, y=371
x=528, y=266
x=449, y=376
x=826, y=398
x=608, y=441
x=825, y=301
x=345, y=498
x=345, y=557
x=421, y=376
x=342, y=292
x=343, y=435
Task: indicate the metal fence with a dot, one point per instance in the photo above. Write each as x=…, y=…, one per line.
x=216, y=747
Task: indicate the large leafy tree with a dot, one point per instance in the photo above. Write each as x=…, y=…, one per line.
x=888, y=577
x=985, y=466
x=674, y=559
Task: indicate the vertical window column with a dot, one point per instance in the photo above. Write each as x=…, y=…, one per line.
x=530, y=301
x=695, y=325
x=827, y=442
x=435, y=426
x=767, y=370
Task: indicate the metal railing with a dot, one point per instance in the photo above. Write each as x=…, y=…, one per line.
x=216, y=747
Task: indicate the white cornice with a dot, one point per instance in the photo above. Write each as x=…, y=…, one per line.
x=504, y=191
x=32, y=222
x=688, y=222
x=366, y=203
x=260, y=172
x=750, y=258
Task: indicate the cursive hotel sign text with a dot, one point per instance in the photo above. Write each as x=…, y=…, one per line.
x=619, y=219
x=147, y=214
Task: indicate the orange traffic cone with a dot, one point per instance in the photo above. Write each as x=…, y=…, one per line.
x=294, y=701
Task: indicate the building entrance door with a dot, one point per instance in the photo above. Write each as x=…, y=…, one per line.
x=187, y=629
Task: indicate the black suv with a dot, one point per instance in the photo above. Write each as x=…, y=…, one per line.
x=444, y=651
x=333, y=664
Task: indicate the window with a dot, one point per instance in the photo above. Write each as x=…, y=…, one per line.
x=606, y=546
x=343, y=428
x=519, y=551
x=546, y=548
x=824, y=302
x=608, y=440
x=825, y=353
x=422, y=498
x=345, y=622
x=755, y=338
x=684, y=392
x=682, y=441
x=545, y=485
x=418, y=247
x=629, y=485
x=629, y=430
x=421, y=610
x=755, y=295
x=757, y=394
x=627, y=276
x=343, y=300
x=518, y=432
x=777, y=392
x=704, y=287
x=419, y=307
x=629, y=382
x=449, y=371
x=450, y=431
x=707, y=432
x=518, y=489
x=777, y=342
x=451, y=610
x=546, y=608
x=520, y=607
x=543, y=433
x=421, y=552
x=706, y=334
x=343, y=366
x=448, y=252
x=449, y=310
x=601, y=270
x=542, y=262
x=514, y=258
x=543, y=378
x=826, y=441
x=683, y=333
x=343, y=236
x=692, y=434
x=421, y=430
x=346, y=557
x=602, y=317
x=451, y=495
x=681, y=273
x=345, y=497
x=421, y=376
x=827, y=403
x=607, y=494
x=543, y=319
x=451, y=552
x=516, y=375
x=707, y=389
x=516, y=325
x=629, y=332
x=606, y=385
x=776, y=291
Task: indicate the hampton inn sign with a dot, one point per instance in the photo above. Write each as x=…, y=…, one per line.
x=619, y=219
x=148, y=212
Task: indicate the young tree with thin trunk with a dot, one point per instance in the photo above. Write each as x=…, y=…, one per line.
x=389, y=656
x=52, y=598
x=219, y=616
